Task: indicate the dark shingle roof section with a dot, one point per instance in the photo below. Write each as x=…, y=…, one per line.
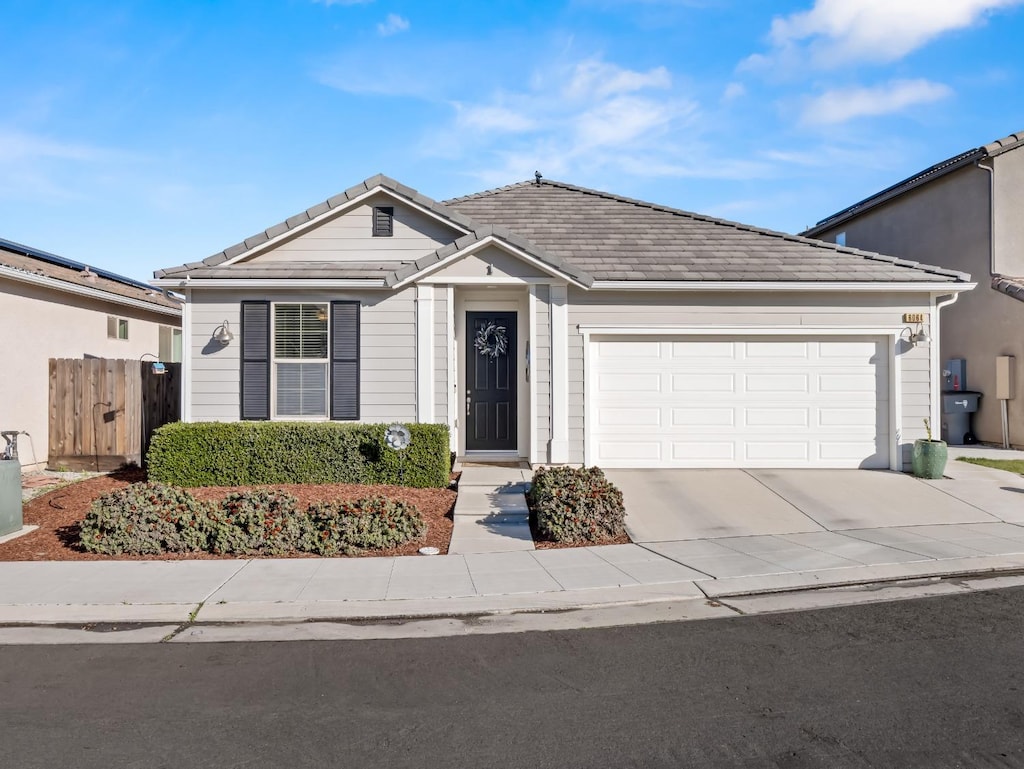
x=33, y=261
x=481, y=232
x=1011, y=286
x=947, y=166
x=311, y=213
x=614, y=238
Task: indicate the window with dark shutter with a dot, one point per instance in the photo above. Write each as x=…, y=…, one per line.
x=255, y=361
x=344, y=360
x=383, y=221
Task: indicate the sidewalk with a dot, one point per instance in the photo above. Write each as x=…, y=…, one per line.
x=519, y=580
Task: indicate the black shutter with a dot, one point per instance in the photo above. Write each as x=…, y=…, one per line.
x=344, y=360
x=383, y=221
x=255, y=375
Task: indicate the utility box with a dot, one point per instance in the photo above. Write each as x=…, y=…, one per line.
x=10, y=496
x=1005, y=377
x=954, y=375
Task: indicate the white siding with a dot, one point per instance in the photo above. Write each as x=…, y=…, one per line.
x=443, y=337
x=747, y=309
x=387, y=353
x=540, y=368
x=348, y=237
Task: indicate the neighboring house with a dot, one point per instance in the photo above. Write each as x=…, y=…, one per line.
x=564, y=325
x=965, y=214
x=51, y=307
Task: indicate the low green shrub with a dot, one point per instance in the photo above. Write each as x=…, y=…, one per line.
x=258, y=522
x=263, y=453
x=575, y=505
x=365, y=524
x=146, y=519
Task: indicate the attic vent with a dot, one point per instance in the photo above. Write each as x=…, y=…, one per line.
x=383, y=221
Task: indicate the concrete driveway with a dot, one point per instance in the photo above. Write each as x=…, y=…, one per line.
x=668, y=505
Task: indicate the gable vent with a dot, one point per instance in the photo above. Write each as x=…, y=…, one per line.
x=383, y=221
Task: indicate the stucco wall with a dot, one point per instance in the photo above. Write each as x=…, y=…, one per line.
x=947, y=223
x=40, y=323
x=747, y=309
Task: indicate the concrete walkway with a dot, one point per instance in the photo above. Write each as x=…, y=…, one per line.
x=518, y=578
x=491, y=514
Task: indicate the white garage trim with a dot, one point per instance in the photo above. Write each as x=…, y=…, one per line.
x=596, y=333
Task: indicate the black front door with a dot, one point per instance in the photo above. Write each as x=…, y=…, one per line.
x=491, y=381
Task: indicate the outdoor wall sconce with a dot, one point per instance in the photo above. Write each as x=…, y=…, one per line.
x=223, y=333
x=918, y=337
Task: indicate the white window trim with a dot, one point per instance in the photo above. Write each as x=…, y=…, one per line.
x=274, y=360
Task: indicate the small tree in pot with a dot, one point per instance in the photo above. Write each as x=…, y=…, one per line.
x=929, y=456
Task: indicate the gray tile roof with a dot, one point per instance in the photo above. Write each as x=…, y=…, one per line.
x=936, y=171
x=296, y=270
x=589, y=235
x=1011, y=286
x=33, y=261
x=614, y=238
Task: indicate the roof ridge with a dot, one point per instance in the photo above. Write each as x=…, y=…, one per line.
x=488, y=192
x=943, y=167
x=871, y=255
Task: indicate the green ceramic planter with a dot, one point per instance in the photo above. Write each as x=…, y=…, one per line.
x=929, y=458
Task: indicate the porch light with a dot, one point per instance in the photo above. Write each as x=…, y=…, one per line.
x=223, y=333
x=920, y=336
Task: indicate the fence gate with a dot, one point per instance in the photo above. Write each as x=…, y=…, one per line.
x=103, y=412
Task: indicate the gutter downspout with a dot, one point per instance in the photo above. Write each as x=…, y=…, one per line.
x=936, y=357
x=991, y=217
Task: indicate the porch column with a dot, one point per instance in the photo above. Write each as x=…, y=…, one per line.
x=424, y=353
x=559, y=450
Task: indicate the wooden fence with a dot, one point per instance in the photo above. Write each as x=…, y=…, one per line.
x=103, y=412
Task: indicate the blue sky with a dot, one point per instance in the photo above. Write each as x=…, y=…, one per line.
x=139, y=135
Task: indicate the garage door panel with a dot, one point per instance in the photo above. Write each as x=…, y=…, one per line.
x=630, y=417
x=704, y=451
x=630, y=383
x=777, y=383
x=776, y=350
x=742, y=403
x=777, y=417
x=697, y=352
x=785, y=451
x=703, y=417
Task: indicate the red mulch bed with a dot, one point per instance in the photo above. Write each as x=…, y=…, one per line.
x=58, y=514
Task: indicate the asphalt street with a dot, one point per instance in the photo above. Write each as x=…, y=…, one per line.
x=922, y=683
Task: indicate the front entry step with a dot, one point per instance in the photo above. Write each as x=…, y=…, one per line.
x=491, y=515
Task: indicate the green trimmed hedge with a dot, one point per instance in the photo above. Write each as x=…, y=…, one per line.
x=259, y=453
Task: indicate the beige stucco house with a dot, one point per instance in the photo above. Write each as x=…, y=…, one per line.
x=965, y=215
x=559, y=324
x=51, y=307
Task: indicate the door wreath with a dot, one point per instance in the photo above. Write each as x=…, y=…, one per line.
x=491, y=340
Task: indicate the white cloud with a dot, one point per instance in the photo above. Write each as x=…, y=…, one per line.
x=843, y=104
x=597, y=79
x=493, y=118
x=580, y=119
x=837, y=32
x=734, y=91
x=392, y=25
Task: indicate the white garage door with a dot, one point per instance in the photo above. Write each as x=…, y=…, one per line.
x=751, y=402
